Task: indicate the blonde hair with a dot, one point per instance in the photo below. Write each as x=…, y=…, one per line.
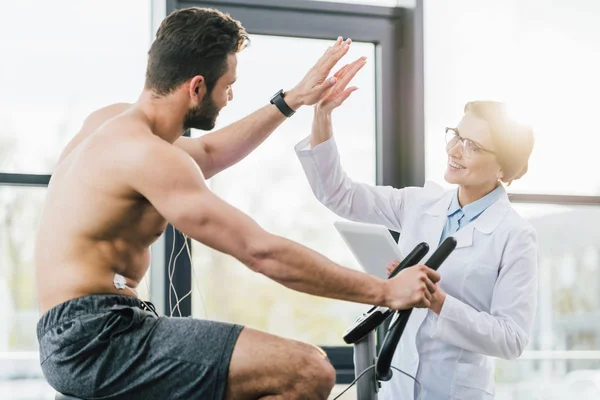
x=513, y=141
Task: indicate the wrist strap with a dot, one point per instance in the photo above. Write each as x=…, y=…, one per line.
x=281, y=104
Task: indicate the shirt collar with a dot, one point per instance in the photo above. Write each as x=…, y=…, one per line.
x=473, y=210
x=454, y=205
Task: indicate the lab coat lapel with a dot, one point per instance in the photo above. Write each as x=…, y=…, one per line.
x=464, y=236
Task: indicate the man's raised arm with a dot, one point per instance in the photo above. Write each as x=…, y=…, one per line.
x=174, y=184
x=223, y=148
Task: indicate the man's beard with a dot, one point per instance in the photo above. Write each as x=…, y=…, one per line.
x=203, y=116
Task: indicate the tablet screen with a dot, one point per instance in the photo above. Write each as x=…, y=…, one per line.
x=372, y=246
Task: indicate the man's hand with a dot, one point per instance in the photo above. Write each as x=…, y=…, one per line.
x=412, y=287
x=315, y=83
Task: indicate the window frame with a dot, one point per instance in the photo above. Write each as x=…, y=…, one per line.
x=11, y=179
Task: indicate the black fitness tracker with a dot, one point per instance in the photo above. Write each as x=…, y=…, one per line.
x=280, y=103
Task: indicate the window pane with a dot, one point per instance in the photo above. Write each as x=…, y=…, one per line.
x=271, y=187
x=562, y=358
x=61, y=60
x=19, y=213
x=20, y=373
x=542, y=60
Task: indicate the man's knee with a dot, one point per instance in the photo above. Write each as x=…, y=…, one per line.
x=327, y=375
x=319, y=374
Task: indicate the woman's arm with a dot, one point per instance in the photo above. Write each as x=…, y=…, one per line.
x=504, y=331
x=322, y=127
x=320, y=160
x=352, y=200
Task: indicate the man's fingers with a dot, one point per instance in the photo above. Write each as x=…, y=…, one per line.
x=339, y=43
x=333, y=55
x=330, y=50
x=328, y=84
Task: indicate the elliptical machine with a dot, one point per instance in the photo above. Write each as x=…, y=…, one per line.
x=370, y=369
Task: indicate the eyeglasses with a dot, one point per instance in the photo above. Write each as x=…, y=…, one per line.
x=469, y=148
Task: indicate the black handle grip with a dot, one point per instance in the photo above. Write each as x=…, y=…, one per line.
x=384, y=361
x=383, y=369
x=376, y=315
x=441, y=253
x=412, y=258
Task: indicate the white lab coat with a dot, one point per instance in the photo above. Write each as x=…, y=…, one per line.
x=490, y=279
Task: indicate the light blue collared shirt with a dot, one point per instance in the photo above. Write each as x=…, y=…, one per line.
x=459, y=217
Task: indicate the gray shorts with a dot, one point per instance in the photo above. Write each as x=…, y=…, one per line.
x=110, y=347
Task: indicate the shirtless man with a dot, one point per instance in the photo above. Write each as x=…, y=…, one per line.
x=126, y=175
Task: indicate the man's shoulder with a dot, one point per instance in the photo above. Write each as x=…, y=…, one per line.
x=124, y=126
x=136, y=143
x=100, y=116
x=91, y=124
x=130, y=140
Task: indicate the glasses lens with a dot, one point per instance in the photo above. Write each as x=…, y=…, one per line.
x=470, y=148
x=451, y=138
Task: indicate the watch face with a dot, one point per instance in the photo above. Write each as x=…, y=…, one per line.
x=276, y=94
x=278, y=101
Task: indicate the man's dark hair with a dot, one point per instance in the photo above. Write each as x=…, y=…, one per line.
x=189, y=42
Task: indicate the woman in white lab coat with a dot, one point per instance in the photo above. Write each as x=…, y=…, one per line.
x=485, y=303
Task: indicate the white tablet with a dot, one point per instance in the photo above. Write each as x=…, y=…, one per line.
x=372, y=245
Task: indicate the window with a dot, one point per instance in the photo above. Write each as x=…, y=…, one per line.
x=562, y=359
x=542, y=61
x=271, y=187
x=19, y=213
x=61, y=61
x=568, y=266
